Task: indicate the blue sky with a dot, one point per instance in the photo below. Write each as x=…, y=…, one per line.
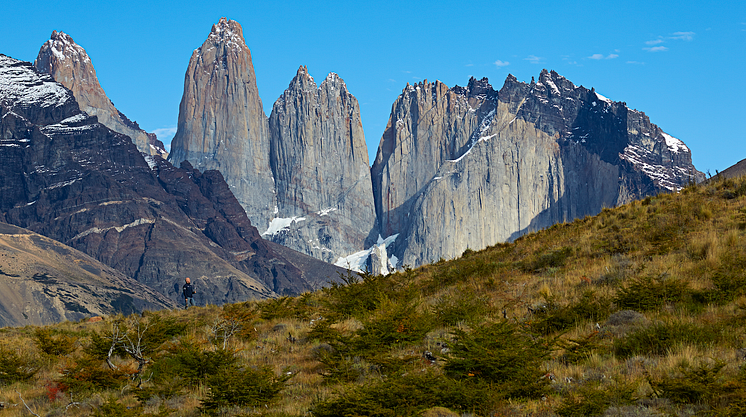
x=682, y=63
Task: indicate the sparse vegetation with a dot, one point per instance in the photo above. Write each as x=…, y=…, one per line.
x=640, y=310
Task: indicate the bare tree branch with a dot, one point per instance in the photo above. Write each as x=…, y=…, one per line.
x=27, y=407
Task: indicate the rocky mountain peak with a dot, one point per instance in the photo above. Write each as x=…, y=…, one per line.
x=479, y=87
x=333, y=79
x=303, y=80
x=228, y=32
x=69, y=64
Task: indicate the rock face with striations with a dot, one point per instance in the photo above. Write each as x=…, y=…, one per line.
x=302, y=175
x=469, y=167
x=70, y=178
x=320, y=164
x=69, y=64
x=221, y=121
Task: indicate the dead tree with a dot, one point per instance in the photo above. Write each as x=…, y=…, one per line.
x=132, y=341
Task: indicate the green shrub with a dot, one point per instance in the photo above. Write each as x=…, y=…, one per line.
x=407, y=395
x=649, y=293
x=691, y=384
x=502, y=355
x=544, y=261
x=86, y=375
x=659, y=338
x=552, y=318
x=243, y=387
x=55, y=345
x=190, y=362
x=356, y=295
x=578, y=350
x=464, y=306
x=277, y=308
x=593, y=400
x=112, y=408
x=729, y=278
x=16, y=367
x=164, y=387
x=393, y=323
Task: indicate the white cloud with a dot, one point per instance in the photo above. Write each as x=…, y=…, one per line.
x=165, y=133
x=654, y=42
x=684, y=36
x=469, y=65
x=601, y=56
x=656, y=49
x=500, y=64
x=534, y=59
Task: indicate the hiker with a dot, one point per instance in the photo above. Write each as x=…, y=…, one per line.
x=188, y=291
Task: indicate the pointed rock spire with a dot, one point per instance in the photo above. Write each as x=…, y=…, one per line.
x=69, y=64
x=320, y=164
x=221, y=121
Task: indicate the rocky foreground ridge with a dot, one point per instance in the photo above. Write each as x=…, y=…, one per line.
x=69, y=64
x=43, y=281
x=68, y=177
x=456, y=168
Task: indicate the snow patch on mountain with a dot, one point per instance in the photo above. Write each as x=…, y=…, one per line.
x=358, y=261
x=279, y=224
x=675, y=145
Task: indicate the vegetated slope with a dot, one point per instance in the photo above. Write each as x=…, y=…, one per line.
x=43, y=281
x=639, y=310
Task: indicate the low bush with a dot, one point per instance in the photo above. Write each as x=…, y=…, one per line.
x=85, y=375
x=15, y=367
x=502, y=355
x=552, y=318
x=579, y=349
x=464, y=306
x=648, y=293
x=544, y=261
x=189, y=361
x=691, y=384
x=659, y=338
x=407, y=395
x=593, y=400
x=54, y=345
x=243, y=387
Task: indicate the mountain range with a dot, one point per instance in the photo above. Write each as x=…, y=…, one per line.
x=252, y=206
x=70, y=178
x=457, y=168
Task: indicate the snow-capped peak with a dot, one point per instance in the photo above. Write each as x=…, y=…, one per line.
x=22, y=86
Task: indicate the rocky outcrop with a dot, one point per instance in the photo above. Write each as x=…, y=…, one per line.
x=222, y=124
x=43, y=281
x=70, y=178
x=470, y=166
x=320, y=165
x=69, y=64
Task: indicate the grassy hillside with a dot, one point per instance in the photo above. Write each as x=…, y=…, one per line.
x=639, y=311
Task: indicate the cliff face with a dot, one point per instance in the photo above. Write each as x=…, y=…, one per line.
x=221, y=122
x=302, y=175
x=509, y=162
x=68, y=177
x=320, y=164
x=69, y=64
